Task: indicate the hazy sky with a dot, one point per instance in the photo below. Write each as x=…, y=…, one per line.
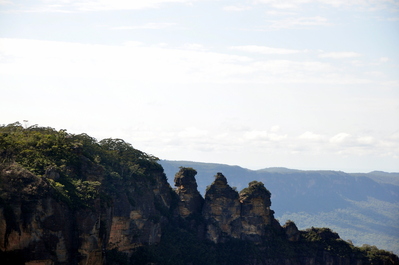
x=306, y=84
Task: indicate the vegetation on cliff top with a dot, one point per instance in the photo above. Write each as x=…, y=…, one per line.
x=76, y=166
x=255, y=188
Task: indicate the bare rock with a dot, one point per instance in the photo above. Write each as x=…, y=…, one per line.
x=221, y=210
x=190, y=200
x=255, y=211
x=291, y=230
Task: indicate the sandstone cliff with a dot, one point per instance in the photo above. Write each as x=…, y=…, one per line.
x=190, y=200
x=222, y=211
x=68, y=199
x=36, y=226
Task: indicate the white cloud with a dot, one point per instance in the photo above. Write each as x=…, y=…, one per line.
x=236, y=8
x=194, y=47
x=275, y=128
x=294, y=71
x=291, y=4
x=96, y=5
x=190, y=63
x=377, y=74
x=192, y=132
x=280, y=13
x=147, y=26
x=339, y=55
x=132, y=43
x=394, y=136
x=264, y=49
x=340, y=138
x=135, y=62
x=366, y=140
x=299, y=22
x=255, y=136
x=311, y=136
x=282, y=4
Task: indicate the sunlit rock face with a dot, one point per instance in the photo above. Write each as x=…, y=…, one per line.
x=255, y=211
x=137, y=217
x=38, y=228
x=221, y=210
x=190, y=200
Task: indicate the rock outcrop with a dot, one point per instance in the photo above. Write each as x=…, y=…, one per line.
x=222, y=211
x=245, y=215
x=291, y=231
x=255, y=211
x=38, y=227
x=190, y=200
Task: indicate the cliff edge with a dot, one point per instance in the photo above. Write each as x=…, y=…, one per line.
x=69, y=199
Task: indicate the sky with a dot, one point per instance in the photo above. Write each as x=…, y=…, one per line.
x=303, y=84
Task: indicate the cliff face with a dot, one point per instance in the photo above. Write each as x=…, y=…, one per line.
x=37, y=227
x=136, y=214
x=230, y=214
x=84, y=202
x=255, y=211
x=190, y=200
x=34, y=226
x=222, y=211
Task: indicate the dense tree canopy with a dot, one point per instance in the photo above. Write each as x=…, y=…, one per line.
x=73, y=156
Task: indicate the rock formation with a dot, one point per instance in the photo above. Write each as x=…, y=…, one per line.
x=291, y=230
x=222, y=211
x=190, y=200
x=255, y=211
x=37, y=226
x=71, y=200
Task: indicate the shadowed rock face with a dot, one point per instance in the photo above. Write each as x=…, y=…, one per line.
x=190, y=200
x=221, y=210
x=38, y=228
x=255, y=211
x=291, y=231
x=43, y=230
x=245, y=215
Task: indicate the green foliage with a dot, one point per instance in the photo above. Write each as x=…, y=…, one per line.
x=316, y=239
x=255, y=187
x=324, y=239
x=85, y=168
x=189, y=171
x=375, y=255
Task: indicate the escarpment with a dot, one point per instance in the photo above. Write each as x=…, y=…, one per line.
x=38, y=226
x=68, y=199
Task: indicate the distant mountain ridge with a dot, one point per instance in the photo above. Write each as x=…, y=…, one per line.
x=362, y=207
